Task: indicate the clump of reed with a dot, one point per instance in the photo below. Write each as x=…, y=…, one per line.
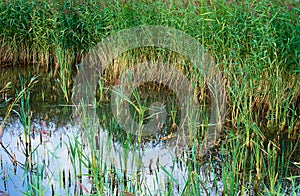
x=254, y=44
x=33, y=30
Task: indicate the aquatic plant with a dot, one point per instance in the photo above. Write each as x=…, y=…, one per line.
x=254, y=44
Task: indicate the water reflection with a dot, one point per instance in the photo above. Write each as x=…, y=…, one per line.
x=52, y=170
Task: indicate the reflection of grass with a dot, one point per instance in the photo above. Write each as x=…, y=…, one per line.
x=255, y=44
x=45, y=98
x=2, y=91
x=142, y=111
x=22, y=100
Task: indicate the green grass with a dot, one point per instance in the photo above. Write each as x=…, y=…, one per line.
x=256, y=45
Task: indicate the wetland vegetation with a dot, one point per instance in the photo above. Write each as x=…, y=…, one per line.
x=255, y=45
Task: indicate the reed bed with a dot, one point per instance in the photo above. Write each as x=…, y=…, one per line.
x=256, y=45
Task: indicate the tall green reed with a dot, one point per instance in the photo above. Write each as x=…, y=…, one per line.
x=255, y=44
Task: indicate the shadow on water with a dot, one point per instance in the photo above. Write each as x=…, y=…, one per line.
x=55, y=167
x=49, y=166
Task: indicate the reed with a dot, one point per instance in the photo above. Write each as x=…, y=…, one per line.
x=254, y=44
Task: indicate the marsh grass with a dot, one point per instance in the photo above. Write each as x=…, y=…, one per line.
x=254, y=44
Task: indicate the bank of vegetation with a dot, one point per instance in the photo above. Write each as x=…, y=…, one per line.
x=256, y=45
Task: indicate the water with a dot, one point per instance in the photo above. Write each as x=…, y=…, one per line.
x=52, y=167
x=51, y=158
